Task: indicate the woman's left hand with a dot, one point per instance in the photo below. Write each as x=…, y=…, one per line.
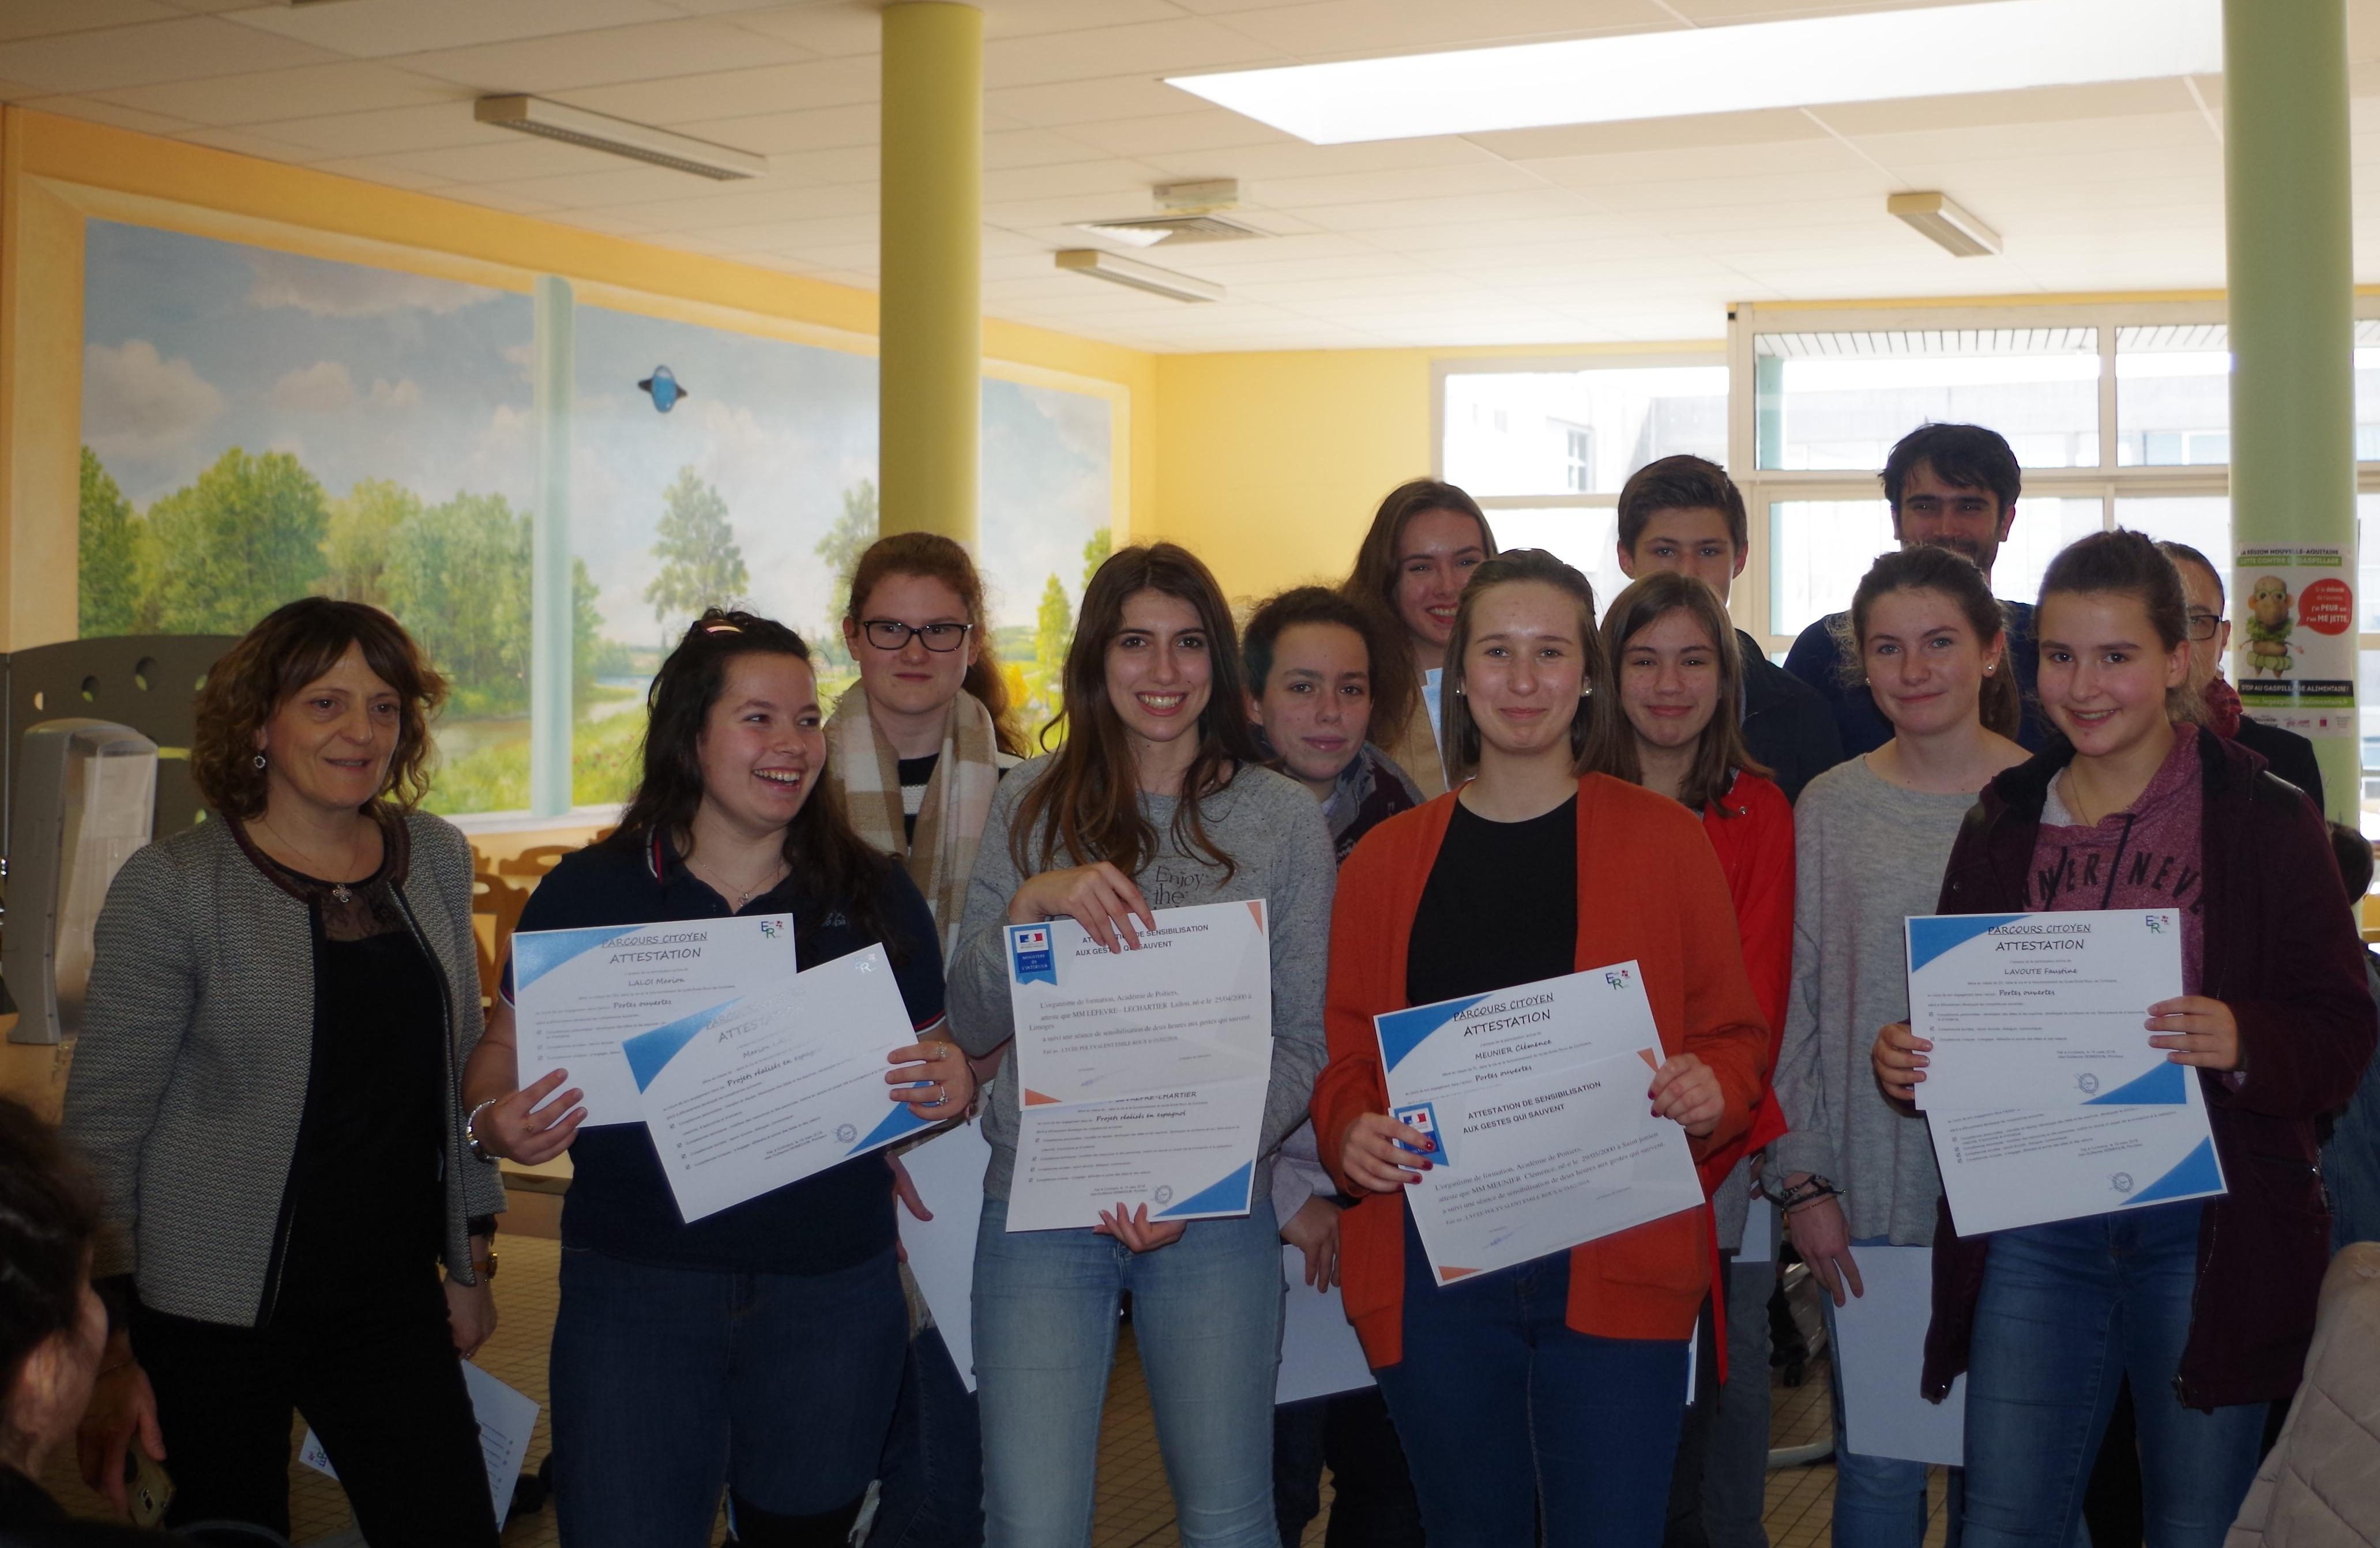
x=942, y=1069
x=2197, y=1030
x=1686, y=1091
x=1137, y=1231
x=470, y=1315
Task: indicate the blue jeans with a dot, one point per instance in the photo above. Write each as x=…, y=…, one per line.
x=1879, y=1500
x=1503, y=1406
x=932, y=1471
x=1206, y=1315
x=669, y=1384
x=2068, y=1309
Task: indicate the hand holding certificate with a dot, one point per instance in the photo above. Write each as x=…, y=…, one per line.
x=1534, y=1099
x=2047, y=1098
x=1143, y=1071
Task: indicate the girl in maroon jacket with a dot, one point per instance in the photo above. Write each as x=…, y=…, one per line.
x=2207, y=1305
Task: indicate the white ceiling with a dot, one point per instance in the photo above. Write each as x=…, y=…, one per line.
x=1610, y=232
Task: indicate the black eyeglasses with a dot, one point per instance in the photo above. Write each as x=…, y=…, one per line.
x=2203, y=624
x=891, y=634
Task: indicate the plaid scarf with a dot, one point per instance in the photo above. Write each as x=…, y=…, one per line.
x=959, y=798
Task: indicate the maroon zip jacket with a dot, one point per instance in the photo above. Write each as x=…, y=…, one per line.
x=2282, y=952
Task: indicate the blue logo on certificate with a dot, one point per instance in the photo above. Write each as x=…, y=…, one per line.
x=1423, y=1116
x=1028, y=947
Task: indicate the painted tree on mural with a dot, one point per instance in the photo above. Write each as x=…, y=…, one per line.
x=849, y=537
x=700, y=564
x=244, y=538
x=108, y=551
x=364, y=523
x=1095, y=551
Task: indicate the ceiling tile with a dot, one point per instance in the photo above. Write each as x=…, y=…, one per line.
x=500, y=157
x=621, y=181
x=1200, y=128
x=768, y=133
x=1293, y=158
x=1391, y=214
x=184, y=49
x=751, y=205
x=100, y=110
x=248, y=143
x=724, y=94
x=1090, y=102
x=831, y=28
x=853, y=164
x=654, y=51
x=1015, y=147
x=1020, y=18
x=35, y=18
x=1172, y=47
x=256, y=97
x=1345, y=29
x=1652, y=134
x=496, y=199
x=386, y=130
x=370, y=169
x=374, y=29
x=1105, y=178
x=1474, y=176
x=2044, y=105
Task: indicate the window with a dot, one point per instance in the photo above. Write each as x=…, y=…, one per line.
x=1819, y=550
x=1837, y=401
x=2173, y=396
x=1576, y=431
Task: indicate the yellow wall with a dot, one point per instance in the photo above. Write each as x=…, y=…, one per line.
x=1272, y=464
x=56, y=171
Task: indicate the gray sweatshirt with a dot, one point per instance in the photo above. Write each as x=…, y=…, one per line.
x=1867, y=853
x=1274, y=828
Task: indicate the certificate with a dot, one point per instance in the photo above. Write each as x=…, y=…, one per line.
x=777, y=1086
x=1141, y=1074
x=1536, y=1098
x=2044, y=1009
x=1319, y=1353
x=2043, y=1098
x=1880, y=1355
x=1191, y=1006
x=507, y=1419
x=947, y=1171
x=579, y=995
x=2007, y=1166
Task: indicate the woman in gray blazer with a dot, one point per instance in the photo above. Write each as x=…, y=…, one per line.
x=267, y=1089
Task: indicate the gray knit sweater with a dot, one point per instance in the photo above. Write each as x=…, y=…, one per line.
x=1867, y=853
x=190, y=1074
x=1274, y=828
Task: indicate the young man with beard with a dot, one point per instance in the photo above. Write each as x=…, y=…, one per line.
x=1952, y=487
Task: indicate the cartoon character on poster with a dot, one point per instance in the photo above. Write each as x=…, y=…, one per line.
x=2268, y=628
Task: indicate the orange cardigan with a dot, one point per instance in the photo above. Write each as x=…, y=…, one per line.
x=1650, y=887
x=1754, y=836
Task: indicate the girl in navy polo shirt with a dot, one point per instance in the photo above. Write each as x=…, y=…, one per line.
x=760, y=1348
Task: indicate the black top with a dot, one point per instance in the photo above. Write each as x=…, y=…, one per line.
x=365, y=1201
x=2285, y=753
x=1500, y=906
x=1817, y=660
x=620, y=1202
x=1787, y=727
x=914, y=774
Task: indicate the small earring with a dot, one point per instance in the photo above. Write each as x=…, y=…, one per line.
x=260, y=760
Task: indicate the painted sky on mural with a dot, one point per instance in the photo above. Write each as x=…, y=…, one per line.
x=194, y=346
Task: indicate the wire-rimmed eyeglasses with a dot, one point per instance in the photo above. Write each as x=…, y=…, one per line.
x=891, y=634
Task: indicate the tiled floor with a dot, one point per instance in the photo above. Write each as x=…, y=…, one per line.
x=1135, y=1509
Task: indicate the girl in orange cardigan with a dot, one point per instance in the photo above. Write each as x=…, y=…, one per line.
x=1553, y=1389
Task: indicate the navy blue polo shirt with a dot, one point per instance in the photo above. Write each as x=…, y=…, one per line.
x=619, y=1201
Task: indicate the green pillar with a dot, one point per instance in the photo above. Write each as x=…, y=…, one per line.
x=550, y=604
x=2287, y=199
x=930, y=328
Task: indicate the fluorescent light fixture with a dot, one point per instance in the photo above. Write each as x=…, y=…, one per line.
x=1950, y=226
x=596, y=131
x=1138, y=276
x=1873, y=57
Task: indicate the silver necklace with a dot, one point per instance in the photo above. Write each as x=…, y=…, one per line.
x=339, y=889
x=775, y=875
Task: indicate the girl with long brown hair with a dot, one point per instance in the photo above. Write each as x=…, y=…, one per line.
x=1156, y=799
x=1425, y=540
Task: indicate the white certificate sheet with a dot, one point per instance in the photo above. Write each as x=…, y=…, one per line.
x=507, y=1419
x=1141, y=1074
x=948, y=1173
x=2045, y=1099
x=1880, y=1353
x=2044, y=1009
x=1536, y=1097
x=1319, y=1353
x=578, y=996
x=777, y=1086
